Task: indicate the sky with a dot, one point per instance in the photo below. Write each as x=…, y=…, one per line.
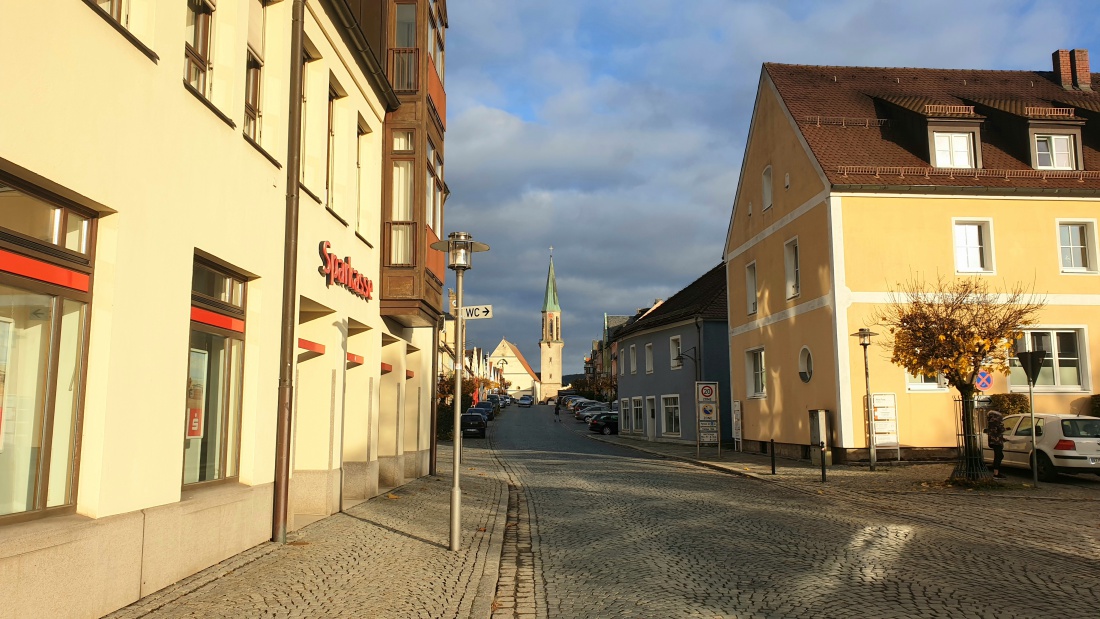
x=613, y=130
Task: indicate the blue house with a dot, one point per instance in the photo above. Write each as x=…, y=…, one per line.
x=661, y=355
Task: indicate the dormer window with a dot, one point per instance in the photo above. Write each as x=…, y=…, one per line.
x=1055, y=152
x=954, y=150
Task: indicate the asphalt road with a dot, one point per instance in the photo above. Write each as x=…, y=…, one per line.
x=616, y=533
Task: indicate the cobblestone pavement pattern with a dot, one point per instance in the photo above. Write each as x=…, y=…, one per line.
x=384, y=558
x=621, y=533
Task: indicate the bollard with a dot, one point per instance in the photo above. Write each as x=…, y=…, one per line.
x=822, y=461
x=771, y=450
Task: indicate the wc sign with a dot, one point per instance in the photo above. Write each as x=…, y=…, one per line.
x=473, y=312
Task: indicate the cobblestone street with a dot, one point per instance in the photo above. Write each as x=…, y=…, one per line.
x=559, y=522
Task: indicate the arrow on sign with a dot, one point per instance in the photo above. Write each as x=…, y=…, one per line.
x=474, y=312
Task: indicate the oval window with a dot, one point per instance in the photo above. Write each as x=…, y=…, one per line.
x=805, y=365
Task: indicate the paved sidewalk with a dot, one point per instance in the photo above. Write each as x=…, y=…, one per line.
x=890, y=477
x=387, y=557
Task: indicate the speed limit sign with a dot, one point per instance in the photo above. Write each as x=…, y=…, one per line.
x=706, y=392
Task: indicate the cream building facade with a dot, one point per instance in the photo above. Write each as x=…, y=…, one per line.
x=141, y=276
x=856, y=180
x=522, y=380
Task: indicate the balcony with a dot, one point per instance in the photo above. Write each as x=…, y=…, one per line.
x=404, y=69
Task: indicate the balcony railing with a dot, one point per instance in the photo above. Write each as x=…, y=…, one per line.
x=405, y=69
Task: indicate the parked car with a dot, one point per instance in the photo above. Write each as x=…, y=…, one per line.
x=1066, y=444
x=592, y=411
x=490, y=409
x=526, y=400
x=473, y=423
x=605, y=423
x=506, y=400
x=495, y=399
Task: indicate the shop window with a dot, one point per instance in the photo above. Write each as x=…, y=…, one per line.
x=43, y=331
x=214, y=376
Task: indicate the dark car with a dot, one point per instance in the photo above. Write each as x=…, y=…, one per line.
x=605, y=423
x=473, y=423
x=490, y=409
x=526, y=400
x=495, y=399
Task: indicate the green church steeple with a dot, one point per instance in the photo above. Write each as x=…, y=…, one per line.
x=550, y=303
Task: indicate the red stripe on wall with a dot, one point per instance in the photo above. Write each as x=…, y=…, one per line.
x=355, y=359
x=43, y=271
x=311, y=346
x=386, y=368
x=215, y=319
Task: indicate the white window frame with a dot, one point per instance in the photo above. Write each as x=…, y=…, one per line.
x=633, y=359
x=1051, y=139
x=1017, y=381
x=790, y=264
x=625, y=415
x=674, y=351
x=767, y=190
x=918, y=384
x=1090, y=247
x=752, y=371
x=751, y=286
x=985, y=226
x=637, y=413
x=665, y=431
x=953, y=138
x=649, y=358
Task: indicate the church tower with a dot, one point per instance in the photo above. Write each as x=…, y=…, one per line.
x=551, y=344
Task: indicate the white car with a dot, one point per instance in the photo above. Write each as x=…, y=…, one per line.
x=1066, y=444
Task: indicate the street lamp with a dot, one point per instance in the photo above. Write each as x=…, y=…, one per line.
x=694, y=362
x=865, y=336
x=501, y=363
x=460, y=248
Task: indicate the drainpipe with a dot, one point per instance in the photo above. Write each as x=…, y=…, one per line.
x=699, y=350
x=287, y=343
x=435, y=397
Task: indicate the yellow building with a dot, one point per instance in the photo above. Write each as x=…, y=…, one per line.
x=147, y=163
x=857, y=180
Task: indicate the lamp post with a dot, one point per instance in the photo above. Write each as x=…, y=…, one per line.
x=501, y=363
x=460, y=248
x=865, y=336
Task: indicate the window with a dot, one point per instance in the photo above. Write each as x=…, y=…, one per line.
x=750, y=287
x=633, y=360
x=649, y=358
x=402, y=226
x=954, y=150
x=113, y=8
x=622, y=367
x=436, y=42
x=805, y=365
x=362, y=219
x=197, y=48
x=1055, y=152
x=766, y=184
x=1063, y=367
x=973, y=242
x=624, y=413
x=43, y=335
x=639, y=421
x=252, y=97
x=756, y=379
x=790, y=261
x=433, y=191
x=924, y=382
x=211, y=440
x=1076, y=242
x=674, y=352
x=670, y=407
x=330, y=151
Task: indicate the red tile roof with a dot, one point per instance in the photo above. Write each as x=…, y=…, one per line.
x=860, y=123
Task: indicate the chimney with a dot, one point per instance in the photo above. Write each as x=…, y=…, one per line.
x=1063, y=71
x=1079, y=60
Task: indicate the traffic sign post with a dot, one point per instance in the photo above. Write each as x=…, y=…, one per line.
x=474, y=312
x=1032, y=364
x=708, y=422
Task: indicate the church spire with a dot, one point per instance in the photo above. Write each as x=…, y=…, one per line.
x=550, y=303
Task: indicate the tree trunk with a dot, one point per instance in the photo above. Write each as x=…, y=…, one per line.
x=969, y=466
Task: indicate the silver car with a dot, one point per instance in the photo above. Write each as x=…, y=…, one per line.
x=1066, y=444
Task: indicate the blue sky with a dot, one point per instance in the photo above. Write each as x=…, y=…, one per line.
x=613, y=129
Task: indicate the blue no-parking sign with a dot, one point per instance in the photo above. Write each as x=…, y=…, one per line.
x=983, y=381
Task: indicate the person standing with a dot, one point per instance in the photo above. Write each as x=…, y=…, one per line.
x=995, y=430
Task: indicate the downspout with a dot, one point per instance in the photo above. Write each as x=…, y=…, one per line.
x=435, y=399
x=287, y=343
x=699, y=351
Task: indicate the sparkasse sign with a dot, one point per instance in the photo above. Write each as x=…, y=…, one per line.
x=339, y=271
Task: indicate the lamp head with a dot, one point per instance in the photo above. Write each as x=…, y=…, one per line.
x=460, y=247
x=864, y=336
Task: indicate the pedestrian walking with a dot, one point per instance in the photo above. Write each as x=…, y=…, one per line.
x=995, y=430
x=557, y=410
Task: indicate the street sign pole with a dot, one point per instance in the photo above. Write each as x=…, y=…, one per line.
x=1032, y=363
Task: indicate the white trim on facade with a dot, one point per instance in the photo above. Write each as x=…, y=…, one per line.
x=782, y=221
x=841, y=301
